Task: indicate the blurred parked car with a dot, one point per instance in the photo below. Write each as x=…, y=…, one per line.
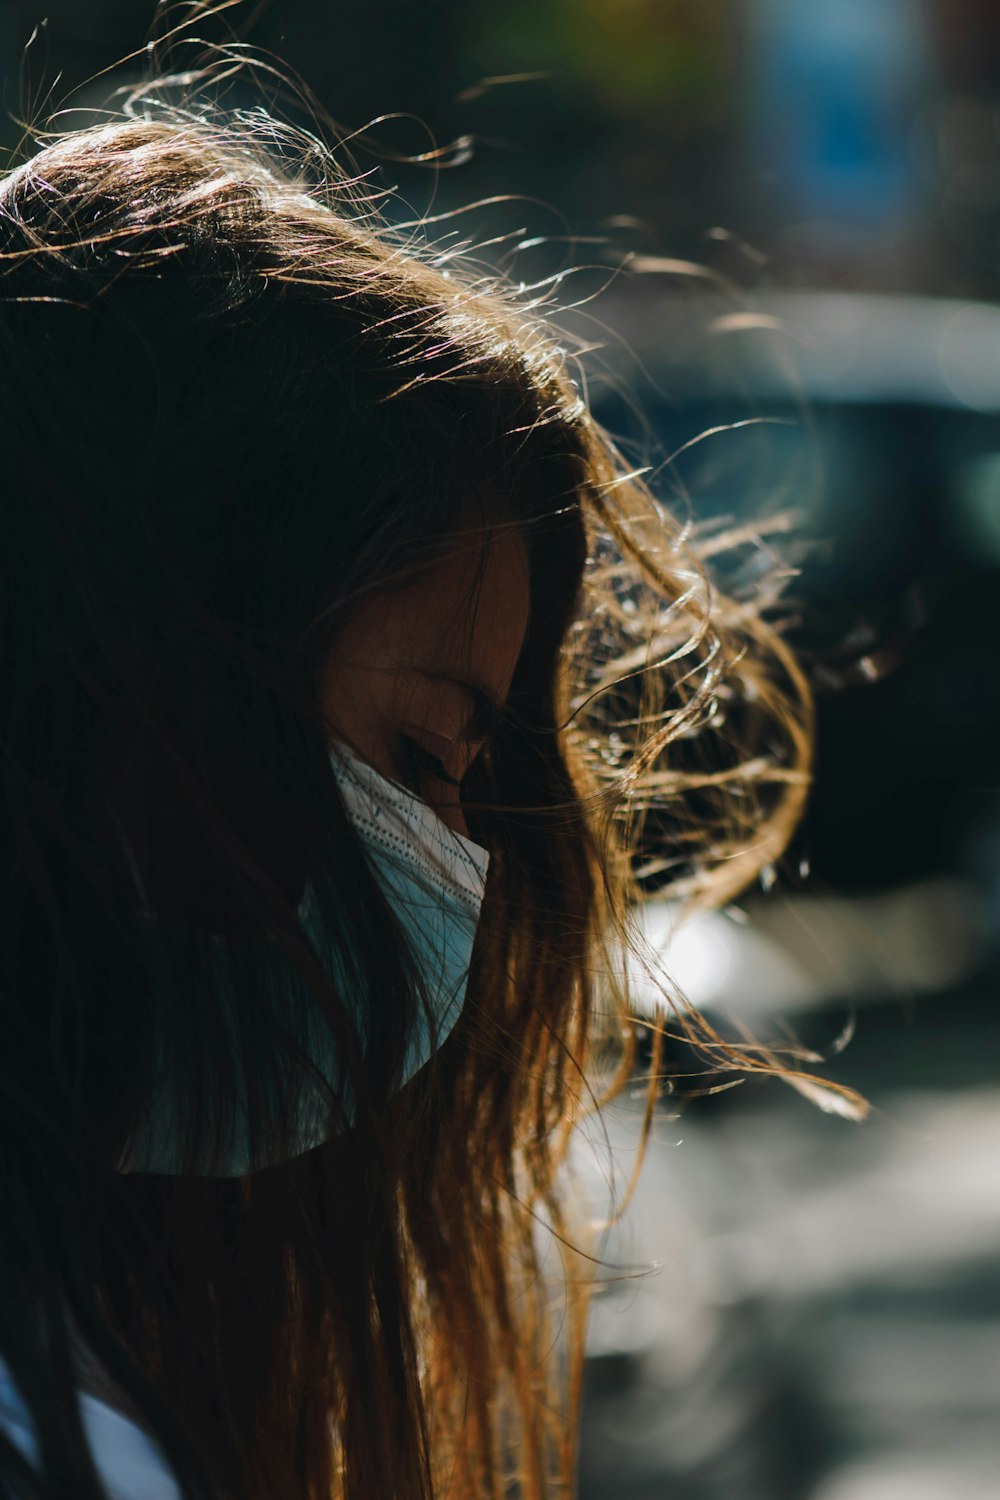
x=824, y=1323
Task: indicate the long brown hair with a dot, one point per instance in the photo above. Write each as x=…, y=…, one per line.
x=234, y=403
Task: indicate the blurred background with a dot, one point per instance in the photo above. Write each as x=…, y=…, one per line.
x=784, y=223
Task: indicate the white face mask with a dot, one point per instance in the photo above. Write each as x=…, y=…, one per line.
x=435, y=880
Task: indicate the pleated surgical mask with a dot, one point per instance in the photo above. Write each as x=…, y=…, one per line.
x=435, y=881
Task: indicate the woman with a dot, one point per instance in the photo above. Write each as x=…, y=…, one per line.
x=350, y=693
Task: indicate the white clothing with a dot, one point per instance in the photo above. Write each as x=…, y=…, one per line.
x=128, y=1461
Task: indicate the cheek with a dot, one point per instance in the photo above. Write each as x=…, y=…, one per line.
x=361, y=692
x=451, y=813
x=347, y=706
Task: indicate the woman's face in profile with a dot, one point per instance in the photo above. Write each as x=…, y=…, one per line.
x=416, y=677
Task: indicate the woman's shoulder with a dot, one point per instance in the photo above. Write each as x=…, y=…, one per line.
x=128, y=1460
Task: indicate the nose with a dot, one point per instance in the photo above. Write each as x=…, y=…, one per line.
x=451, y=813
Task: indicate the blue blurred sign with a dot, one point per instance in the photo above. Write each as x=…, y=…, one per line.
x=835, y=92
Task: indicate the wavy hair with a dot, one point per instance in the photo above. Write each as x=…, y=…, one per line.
x=234, y=402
